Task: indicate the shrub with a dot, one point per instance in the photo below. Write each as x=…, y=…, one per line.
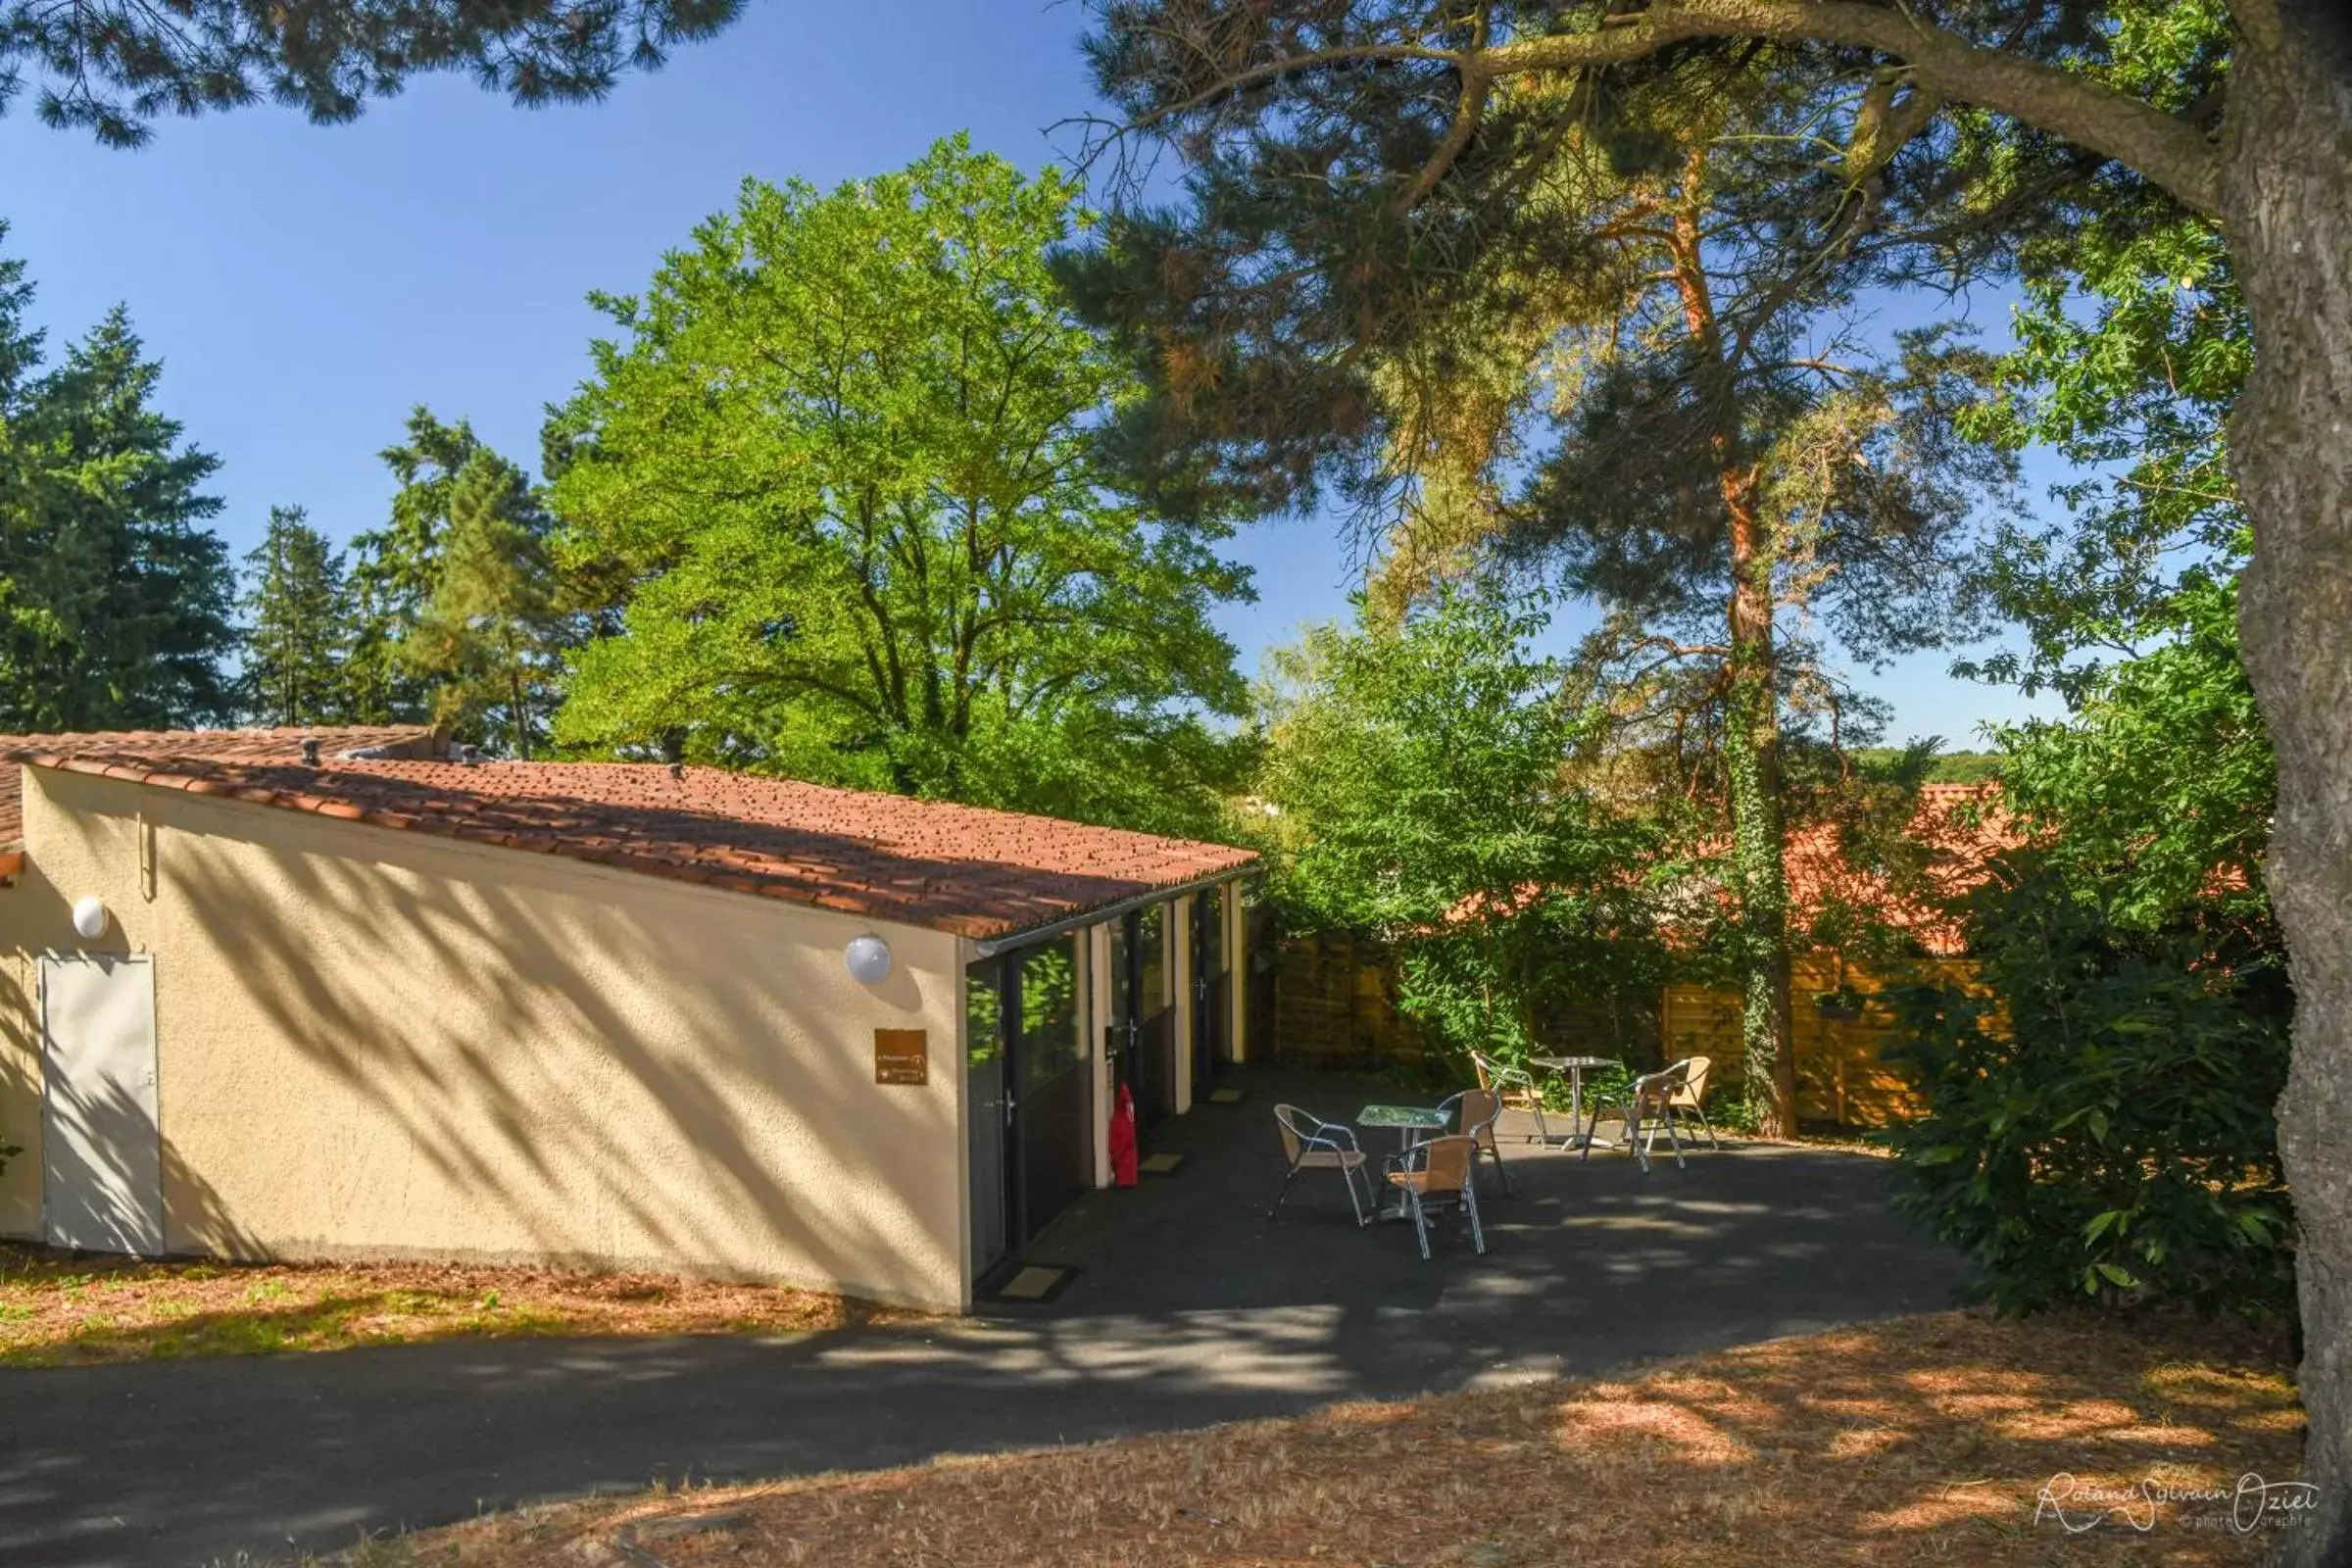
x=2100, y=1108
x=1415, y=769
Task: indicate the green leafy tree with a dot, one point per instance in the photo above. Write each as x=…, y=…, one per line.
x=492, y=629
x=2091, y=101
x=2134, y=345
x=2159, y=789
x=844, y=475
x=1423, y=774
x=1598, y=350
x=117, y=599
x=2101, y=1116
x=2099, y=1105
x=296, y=619
x=2098, y=1114
x=113, y=67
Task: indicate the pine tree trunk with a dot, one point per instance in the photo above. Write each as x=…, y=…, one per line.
x=1751, y=727
x=1751, y=752
x=2288, y=147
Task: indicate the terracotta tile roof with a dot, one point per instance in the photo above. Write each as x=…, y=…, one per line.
x=1818, y=873
x=957, y=868
x=238, y=745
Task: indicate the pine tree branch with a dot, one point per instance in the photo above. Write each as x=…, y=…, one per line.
x=2170, y=150
x=1467, y=114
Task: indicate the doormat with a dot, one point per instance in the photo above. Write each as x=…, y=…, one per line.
x=1035, y=1282
x=1226, y=1096
x=1159, y=1164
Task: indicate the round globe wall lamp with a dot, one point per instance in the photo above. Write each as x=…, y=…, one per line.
x=868, y=959
x=90, y=916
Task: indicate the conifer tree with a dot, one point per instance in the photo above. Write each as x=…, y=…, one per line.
x=1597, y=352
x=1962, y=107
x=113, y=67
x=394, y=570
x=491, y=629
x=117, y=600
x=295, y=608
x=24, y=629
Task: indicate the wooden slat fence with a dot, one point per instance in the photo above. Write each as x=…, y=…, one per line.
x=1331, y=1003
x=1842, y=1075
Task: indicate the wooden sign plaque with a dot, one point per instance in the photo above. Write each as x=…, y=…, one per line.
x=902, y=1057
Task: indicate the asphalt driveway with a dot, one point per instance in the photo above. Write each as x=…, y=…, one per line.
x=1187, y=1308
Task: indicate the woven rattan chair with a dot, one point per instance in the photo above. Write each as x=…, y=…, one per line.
x=1647, y=1103
x=1475, y=1112
x=1435, y=1175
x=1691, y=1098
x=1513, y=1087
x=1310, y=1143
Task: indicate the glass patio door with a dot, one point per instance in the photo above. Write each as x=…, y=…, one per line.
x=1031, y=1119
x=1213, y=991
x=1053, y=1107
x=986, y=1082
x=1143, y=1015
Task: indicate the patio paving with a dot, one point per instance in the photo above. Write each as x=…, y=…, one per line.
x=1189, y=1308
x=1590, y=1264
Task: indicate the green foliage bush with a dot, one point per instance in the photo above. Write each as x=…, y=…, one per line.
x=1420, y=781
x=2100, y=1114
x=2100, y=1118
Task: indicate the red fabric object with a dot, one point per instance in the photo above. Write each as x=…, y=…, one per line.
x=1122, y=1139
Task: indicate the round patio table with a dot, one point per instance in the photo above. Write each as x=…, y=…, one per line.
x=1408, y=1120
x=1575, y=1067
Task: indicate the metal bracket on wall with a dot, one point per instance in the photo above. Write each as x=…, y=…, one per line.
x=146, y=859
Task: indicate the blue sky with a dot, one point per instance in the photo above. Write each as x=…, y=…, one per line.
x=306, y=285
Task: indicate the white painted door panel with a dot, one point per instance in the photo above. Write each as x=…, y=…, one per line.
x=102, y=1183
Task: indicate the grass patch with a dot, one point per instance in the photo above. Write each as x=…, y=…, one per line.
x=1923, y=1440
x=61, y=1309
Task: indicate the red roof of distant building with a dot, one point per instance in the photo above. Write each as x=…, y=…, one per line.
x=1819, y=872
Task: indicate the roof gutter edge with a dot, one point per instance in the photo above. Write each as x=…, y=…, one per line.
x=990, y=947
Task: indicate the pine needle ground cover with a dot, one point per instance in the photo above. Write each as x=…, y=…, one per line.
x=1923, y=1440
x=57, y=1309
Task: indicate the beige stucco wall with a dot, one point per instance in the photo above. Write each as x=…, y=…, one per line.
x=377, y=1043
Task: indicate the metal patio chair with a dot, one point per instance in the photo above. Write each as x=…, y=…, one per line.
x=1691, y=1098
x=1646, y=1104
x=1439, y=1174
x=1474, y=1111
x=1513, y=1087
x=1310, y=1143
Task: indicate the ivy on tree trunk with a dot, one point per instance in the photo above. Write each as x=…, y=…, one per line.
x=1751, y=724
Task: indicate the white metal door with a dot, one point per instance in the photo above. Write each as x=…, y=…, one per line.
x=102, y=1181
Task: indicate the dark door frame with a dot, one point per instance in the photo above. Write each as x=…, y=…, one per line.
x=1127, y=1022
x=1197, y=976
x=1017, y=1152
x=1021, y=1222
x=1012, y=1177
